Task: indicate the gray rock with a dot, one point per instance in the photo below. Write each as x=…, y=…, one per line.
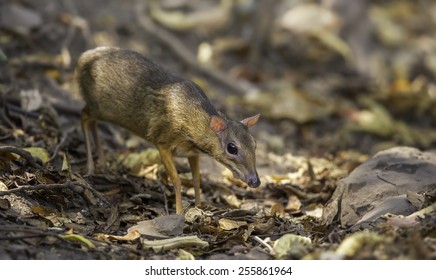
x=397, y=205
x=380, y=186
x=161, y=227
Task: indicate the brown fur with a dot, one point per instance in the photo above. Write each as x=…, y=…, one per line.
x=125, y=88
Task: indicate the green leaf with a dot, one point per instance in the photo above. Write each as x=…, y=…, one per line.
x=3, y=57
x=40, y=153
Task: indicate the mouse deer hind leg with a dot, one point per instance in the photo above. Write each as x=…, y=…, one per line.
x=86, y=123
x=101, y=158
x=89, y=124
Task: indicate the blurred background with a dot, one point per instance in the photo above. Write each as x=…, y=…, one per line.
x=326, y=76
x=335, y=81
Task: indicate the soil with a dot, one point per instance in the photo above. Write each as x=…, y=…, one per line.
x=315, y=129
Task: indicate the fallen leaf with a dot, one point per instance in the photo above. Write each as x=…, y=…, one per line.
x=232, y=200
x=227, y=224
x=194, y=215
x=66, y=166
x=131, y=235
x=79, y=239
x=31, y=100
x=263, y=228
x=39, y=152
x=212, y=19
x=314, y=211
x=41, y=210
x=352, y=244
x=294, y=203
x=2, y=56
x=277, y=210
x=285, y=244
x=4, y=204
x=185, y=255
x=143, y=163
x=173, y=243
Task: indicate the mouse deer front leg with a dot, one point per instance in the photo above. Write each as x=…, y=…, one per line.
x=167, y=160
x=194, y=163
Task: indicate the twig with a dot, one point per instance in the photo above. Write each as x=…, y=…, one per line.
x=22, y=153
x=67, y=184
x=167, y=211
x=184, y=53
x=35, y=232
x=4, y=111
x=23, y=237
x=295, y=190
x=94, y=192
x=25, y=188
x=63, y=139
x=30, y=229
x=69, y=109
x=266, y=245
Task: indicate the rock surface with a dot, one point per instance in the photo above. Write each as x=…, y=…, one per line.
x=383, y=185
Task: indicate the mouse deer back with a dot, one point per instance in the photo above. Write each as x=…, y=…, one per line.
x=127, y=89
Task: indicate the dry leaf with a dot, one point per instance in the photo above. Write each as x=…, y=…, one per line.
x=173, y=243
x=39, y=152
x=285, y=244
x=352, y=244
x=194, y=215
x=31, y=100
x=227, y=224
x=185, y=255
x=294, y=204
x=232, y=200
x=277, y=210
x=78, y=238
x=131, y=235
x=210, y=20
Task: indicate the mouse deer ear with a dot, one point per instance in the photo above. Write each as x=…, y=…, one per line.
x=217, y=124
x=250, y=121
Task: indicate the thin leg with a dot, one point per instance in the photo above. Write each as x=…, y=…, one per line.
x=194, y=163
x=85, y=128
x=167, y=160
x=101, y=157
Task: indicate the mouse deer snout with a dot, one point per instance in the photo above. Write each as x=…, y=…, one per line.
x=253, y=181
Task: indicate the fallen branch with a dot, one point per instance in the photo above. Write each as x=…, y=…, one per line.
x=4, y=110
x=67, y=109
x=65, y=136
x=22, y=153
x=265, y=244
x=67, y=184
x=174, y=243
x=32, y=232
x=26, y=188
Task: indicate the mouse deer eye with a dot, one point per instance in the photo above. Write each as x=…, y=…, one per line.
x=232, y=149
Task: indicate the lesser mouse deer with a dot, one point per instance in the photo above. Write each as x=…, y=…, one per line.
x=125, y=88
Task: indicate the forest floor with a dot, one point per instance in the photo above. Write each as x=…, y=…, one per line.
x=323, y=116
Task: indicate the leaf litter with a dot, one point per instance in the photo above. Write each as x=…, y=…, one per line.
x=320, y=123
